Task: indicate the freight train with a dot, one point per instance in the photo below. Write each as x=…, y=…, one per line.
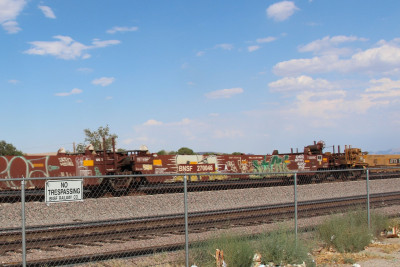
x=137, y=167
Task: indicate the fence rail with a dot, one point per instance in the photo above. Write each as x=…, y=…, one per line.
x=45, y=226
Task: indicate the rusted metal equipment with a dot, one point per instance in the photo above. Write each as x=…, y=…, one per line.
x=151, y=167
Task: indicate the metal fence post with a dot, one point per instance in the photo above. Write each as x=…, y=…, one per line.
x=295, y=204
x=23, y=223
x=368, y=201
x=186, y=222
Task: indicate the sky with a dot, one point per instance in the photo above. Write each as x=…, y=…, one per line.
x=221, y=76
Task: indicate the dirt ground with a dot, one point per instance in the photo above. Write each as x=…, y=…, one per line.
x=382, y=253
x=385, y=253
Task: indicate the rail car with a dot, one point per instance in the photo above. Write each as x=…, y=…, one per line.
x=153, y=168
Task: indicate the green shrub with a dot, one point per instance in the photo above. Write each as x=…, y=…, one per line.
x=280, y=247
x=349, y=232
x=237, y=251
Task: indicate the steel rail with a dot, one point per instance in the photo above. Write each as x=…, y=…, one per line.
x=81, y=232
x=238, y=183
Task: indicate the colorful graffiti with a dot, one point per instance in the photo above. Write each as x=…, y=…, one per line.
x=274, y=165
x=43, y=166
x=31, y=167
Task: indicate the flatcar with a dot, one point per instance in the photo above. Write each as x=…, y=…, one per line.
x=152, y=168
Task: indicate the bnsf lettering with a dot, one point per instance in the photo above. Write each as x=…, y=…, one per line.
x=185, y=168
x=193, y=168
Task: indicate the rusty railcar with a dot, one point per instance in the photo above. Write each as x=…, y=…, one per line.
x=220, y=166
x=151, y=168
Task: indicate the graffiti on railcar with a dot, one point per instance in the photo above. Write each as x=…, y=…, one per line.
x=11, y=168
x=276, y=164
x=301, y=164
x=237, y=166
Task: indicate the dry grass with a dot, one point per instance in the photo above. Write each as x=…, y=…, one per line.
x=373, y=251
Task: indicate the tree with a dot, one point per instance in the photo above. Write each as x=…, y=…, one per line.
x=162, y=152
x=80, y=148
x=96, y=138
x=8, y=149
x=185, y=151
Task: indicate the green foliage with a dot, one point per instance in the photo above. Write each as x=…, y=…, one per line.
x=280, y=247
x=80, y=148
x=349, y=232
x=237, y=153
x=162, y=152
x=7, y=149
x=237, y=251
x=185, y=151
x=96, y=139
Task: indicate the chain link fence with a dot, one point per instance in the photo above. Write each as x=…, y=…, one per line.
x=65, y=220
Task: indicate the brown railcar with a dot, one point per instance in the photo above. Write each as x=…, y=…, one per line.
x=154, y=168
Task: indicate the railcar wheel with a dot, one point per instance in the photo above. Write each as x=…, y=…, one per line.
x=344, y=176
x=138, y=182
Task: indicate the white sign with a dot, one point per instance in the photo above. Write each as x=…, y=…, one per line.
x=63, y=191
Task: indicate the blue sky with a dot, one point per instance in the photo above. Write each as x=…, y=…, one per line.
x=225, y=76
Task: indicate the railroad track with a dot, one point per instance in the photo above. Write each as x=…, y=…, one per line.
x=235, y=183
x=45, y=237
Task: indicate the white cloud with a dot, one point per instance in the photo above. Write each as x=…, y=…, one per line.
x=281, y=11
x=11, y=26
x=320, y=106
x=329, y=108
x=184, y=121
x=253, y=48
x=382, y=59
x=74, y=91
x=66, y=48
x=224, y=93
x=103, y=81
x=122, y=29
x=9, y=11
x=300, y=83
x=152, y=122
x=224, y=46
x=13, y=81
x=47, y=11
x=200, y=53
x=98, y=43
x=266, y=40
x=327, y=45
x=382, y=92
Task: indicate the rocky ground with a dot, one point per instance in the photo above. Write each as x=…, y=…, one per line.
x=384, y=252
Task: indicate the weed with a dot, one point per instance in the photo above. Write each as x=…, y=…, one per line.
x=281, y=247
x=349, y=232
x=237, y=251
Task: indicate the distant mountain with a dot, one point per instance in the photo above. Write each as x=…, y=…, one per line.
x=392, y=151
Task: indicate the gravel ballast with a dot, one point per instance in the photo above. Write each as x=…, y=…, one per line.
x=38, y=213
